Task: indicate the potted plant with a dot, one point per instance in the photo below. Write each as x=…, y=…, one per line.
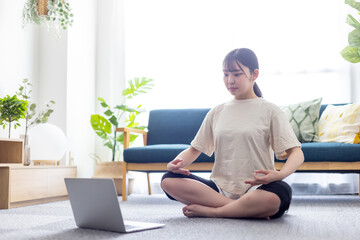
x=53, y=13
x=105, y=127
x=351, y=53
x=12, y=109
x=31, y=118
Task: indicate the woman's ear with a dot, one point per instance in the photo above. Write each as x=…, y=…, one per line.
x=255, y=74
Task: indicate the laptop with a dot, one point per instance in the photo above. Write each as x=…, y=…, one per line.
x=95, y=205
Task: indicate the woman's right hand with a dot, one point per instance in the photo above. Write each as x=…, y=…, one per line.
x=176, y=166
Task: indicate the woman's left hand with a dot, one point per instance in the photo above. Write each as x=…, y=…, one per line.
x=264, y=177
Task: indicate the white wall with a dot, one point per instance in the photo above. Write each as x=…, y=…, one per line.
x=80, y=87
x=87, y=61
x=18, y=54
x=110, y=60
x=35, y=54
x=52, y=67
x=355, y=83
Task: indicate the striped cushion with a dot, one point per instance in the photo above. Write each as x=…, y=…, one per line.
x=304, y=118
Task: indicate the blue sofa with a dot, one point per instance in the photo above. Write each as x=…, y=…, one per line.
x=170, y=131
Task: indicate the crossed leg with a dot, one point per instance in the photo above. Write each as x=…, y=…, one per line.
x=203, y=201
x=189, y=191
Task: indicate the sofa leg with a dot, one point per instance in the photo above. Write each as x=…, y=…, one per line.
x=124, y=180
x=148, y=180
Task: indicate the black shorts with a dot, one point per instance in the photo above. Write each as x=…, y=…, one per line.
x=280, y=188
x=283, y=191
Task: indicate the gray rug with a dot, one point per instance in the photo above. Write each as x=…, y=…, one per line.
x=309, y=217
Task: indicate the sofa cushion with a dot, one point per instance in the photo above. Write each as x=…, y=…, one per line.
x=330, y=152
x=174, y=126
x=340, y=124
x=313, y=152
x=159, y=153
x=304, y=118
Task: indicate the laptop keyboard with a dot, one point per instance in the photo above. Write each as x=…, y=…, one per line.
x=129, y=227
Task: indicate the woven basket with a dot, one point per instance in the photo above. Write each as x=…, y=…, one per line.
x=42, y=7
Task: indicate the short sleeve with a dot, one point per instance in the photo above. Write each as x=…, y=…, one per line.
x=204, y=139
x=282, y=136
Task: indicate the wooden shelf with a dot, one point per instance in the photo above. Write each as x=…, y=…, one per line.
x=11, y=152
x=20, y=185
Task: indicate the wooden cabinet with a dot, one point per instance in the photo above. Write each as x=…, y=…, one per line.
x=11, y=151
x=20, y=185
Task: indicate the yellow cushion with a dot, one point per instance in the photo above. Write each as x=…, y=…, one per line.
x=340, y=124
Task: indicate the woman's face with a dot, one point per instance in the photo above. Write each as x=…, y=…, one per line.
x=239, y=81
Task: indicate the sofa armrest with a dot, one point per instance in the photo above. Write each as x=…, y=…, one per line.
x=127, y=131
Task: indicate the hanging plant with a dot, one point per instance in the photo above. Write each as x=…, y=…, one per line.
x=53, y=13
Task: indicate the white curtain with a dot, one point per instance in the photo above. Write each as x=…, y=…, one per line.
x=181, y=44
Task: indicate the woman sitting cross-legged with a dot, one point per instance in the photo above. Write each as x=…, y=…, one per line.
x=244, y=133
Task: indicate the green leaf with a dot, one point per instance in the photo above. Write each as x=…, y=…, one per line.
x=108, y=144
x=352, y=21
x=113, y=121
x=132, y=87
x=126, y=108
x=351, y=54
x=32, y=107
x=133, y=138
x=137, y=86
x=44, y=120
x=354, y=38
x=353, y=4
x=101, y=125
x=108, y=112
x=120, y=138
x=103, y=103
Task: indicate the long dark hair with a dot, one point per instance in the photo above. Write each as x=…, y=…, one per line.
x=247, y=58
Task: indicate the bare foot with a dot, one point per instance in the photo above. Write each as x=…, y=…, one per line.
x=195, y=210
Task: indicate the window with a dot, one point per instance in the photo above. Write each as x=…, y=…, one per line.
x=181, y=44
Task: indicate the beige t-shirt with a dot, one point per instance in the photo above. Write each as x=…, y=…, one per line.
x=244, y=134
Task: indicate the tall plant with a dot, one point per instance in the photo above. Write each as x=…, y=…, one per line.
x=31, y=118
x=12, y=109
x=105, y=125
x=351, y=53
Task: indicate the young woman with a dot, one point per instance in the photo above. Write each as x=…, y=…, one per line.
x=244, y=133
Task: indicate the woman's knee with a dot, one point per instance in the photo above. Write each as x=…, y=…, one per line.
x=272, y=202
x=268, y=199
x=167, y=180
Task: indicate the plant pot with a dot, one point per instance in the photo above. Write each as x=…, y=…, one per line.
x=42, y=7
x=113, y=170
